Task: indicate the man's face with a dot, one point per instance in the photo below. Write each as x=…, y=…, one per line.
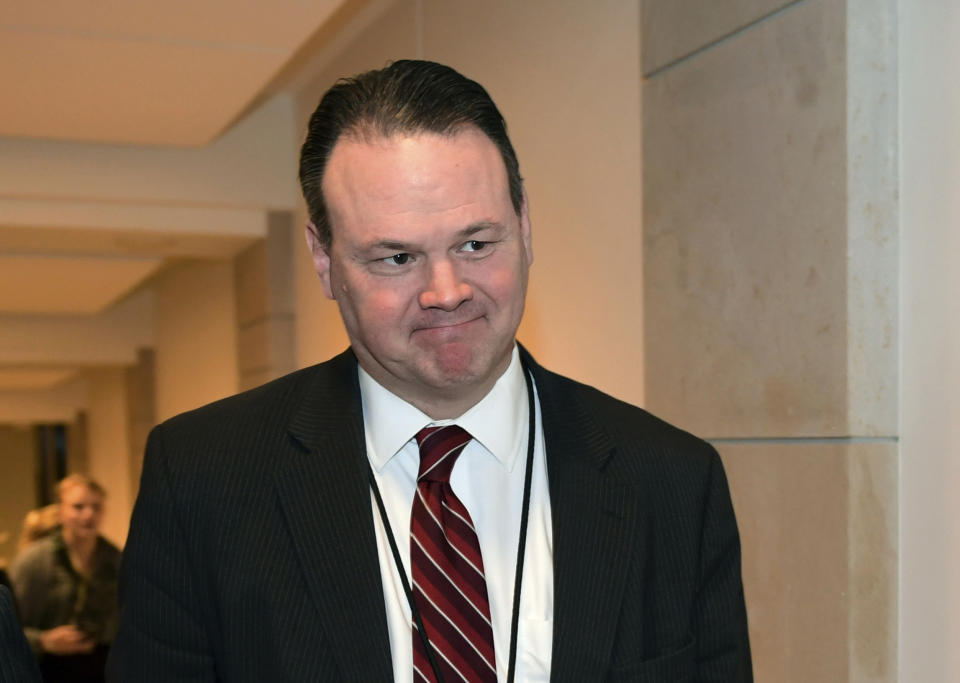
x=428, y=262
x=81, y=511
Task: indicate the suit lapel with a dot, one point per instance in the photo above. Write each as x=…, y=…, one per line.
x=596, y=524
x=325, y=496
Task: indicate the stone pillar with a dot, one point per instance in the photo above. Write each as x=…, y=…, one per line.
x=141, y=412
x=196, y=336
x=770, y=303
x=263, y=281
x=108, y=456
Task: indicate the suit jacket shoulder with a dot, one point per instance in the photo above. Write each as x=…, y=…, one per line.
x=267, y=409
x=646, y=551
x=233, y=444
x=645, y=445
x=252, y=539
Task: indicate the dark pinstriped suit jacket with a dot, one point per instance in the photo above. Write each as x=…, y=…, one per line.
x=252, y=555
x=17, y=664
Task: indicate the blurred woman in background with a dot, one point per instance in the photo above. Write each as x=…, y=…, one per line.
x=66, y=588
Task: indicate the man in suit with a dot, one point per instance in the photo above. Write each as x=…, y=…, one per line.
x=431, y=504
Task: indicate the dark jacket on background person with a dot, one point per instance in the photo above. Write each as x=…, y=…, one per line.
x=51, y=593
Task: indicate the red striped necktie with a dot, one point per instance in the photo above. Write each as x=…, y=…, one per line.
x=449, y=588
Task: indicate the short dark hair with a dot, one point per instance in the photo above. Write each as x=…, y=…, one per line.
x=407, y=96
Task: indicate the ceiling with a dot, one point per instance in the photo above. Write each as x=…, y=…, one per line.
x=33, y=378
x=174, y=74
x=146, y=72
x=68, y=283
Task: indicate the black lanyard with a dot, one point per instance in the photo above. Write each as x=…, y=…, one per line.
x=521, y=549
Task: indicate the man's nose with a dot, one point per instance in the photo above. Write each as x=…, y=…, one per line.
x=444, y=288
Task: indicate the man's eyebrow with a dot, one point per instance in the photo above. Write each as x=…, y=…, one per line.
x=474, y=228
x=391, y=245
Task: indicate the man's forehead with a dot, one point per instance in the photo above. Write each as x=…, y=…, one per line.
x=374, y=141
x=373, y=180
x=372, y=164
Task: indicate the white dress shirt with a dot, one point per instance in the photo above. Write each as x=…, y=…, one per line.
x=488, y=477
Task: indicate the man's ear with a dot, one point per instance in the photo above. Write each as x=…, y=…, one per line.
x=525, y=234
x=321, y=258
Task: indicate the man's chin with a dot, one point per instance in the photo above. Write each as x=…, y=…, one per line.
x=455, y=366
x=454, y=362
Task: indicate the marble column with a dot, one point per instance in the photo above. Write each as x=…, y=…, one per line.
x=263, y=281
x=770, y=303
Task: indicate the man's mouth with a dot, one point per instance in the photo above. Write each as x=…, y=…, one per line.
x=446, y=324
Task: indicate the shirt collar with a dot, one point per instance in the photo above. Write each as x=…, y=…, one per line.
x=498, y=421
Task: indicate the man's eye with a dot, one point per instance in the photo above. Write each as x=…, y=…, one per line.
x=474, y=245
x=398, y=259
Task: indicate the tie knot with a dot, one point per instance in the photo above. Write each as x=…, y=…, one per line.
x=439, y=449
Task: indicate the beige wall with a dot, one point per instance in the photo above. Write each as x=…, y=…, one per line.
x=17, y=485
x=930, y=328
x=566, y=77
x=108, y=447
x=109, y=337
x=44, y=405
x=196, y=336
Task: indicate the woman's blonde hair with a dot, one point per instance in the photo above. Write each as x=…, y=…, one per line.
x=39, y=523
